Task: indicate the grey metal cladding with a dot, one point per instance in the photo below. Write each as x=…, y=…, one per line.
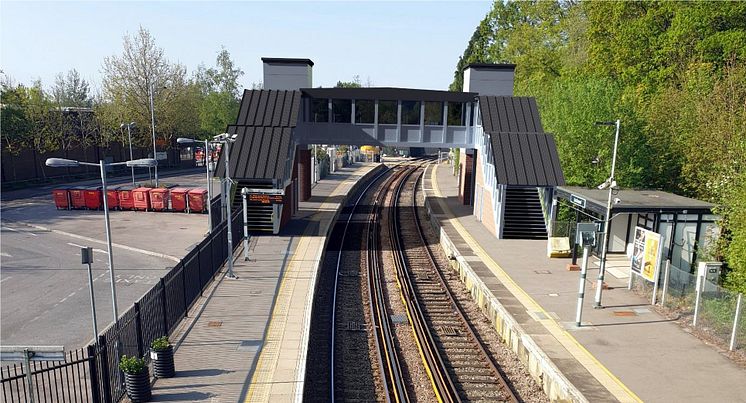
x=524, y=155
x=526, y=159
x=264, y=128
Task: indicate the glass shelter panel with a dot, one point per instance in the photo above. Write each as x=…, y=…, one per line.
x=387, y=112
x=433, y=113
x=365, y=111
x=410, y=112
x=319, y=110
x=341, y=111
x=456, y=114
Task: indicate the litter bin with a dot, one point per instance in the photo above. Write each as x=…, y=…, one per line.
x=61, y=198
x=159, y=199
x=112, y=197
x=93, y=198
x=77, y=197
x=179, y=199
x=198, y=200
x=141, y=197
x=126, y=200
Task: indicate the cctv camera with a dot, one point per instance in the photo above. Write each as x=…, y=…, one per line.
x=617, y=200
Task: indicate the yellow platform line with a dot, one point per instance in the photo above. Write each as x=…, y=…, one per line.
x=580, y=353
x=262, y=379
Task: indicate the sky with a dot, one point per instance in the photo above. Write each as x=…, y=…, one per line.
x=394, y=44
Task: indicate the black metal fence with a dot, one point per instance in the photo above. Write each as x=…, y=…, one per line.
x=91, y=374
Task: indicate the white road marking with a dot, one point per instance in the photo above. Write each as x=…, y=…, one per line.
x=3, y=254
x=81, y=246
x=125, y=247
x=19, y=231
x=6, y=278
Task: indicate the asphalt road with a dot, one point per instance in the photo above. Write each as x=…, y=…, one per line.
x=44, y=297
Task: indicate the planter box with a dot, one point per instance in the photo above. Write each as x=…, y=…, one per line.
x=138, y=386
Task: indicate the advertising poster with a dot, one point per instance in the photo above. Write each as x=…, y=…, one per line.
x=646, y=253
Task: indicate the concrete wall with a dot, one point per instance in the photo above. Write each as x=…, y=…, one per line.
x=489, y=81
x=486, y=205
x=539, y=365
x=287, y=76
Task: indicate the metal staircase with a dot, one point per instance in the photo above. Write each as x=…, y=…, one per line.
x=259, y=217
x=524, y=218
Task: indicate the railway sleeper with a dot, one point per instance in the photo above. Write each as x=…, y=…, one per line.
x=471, y=371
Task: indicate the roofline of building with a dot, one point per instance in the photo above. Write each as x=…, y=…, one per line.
x=491, y=66
x=284, y=60
x=390, y=93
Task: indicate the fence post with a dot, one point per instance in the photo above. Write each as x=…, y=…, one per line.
x=105, y=379
x=183, y=287
x=138, y=330
x=93, y=373
x=700, y=280
x=165, y=313
x=735, y=323
x=665, y=282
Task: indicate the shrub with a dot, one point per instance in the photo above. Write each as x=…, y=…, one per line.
x=160, y=343
x=132, y=365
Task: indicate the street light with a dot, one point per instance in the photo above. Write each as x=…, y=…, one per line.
x=152, y=124
x=66, y=163
x=226, y=139
x=208, y=167
x=129, y=136
x=610, y=184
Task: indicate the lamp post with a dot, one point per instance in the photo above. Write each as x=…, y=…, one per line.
x=152, y=124
x=66, y=163
x=129, y=136
x=226, y=139
x=611, y=185
x=184, y=140
x=244, y=195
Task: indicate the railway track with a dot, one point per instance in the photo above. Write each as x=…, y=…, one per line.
x=365, y=351
x=459, y=366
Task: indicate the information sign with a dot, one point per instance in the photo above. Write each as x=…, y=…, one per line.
x=263, y=198
x=577, y=200
x=646, y=253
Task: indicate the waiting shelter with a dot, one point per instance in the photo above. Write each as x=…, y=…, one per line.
x=687, y=226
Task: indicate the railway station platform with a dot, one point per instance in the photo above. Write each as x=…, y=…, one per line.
x=625, y=352
x=248, y=337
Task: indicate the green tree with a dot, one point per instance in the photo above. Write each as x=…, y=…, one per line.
x=128, y=81
x=71, y=90
x=219, y=93
x=355, y=83
x=15, y=124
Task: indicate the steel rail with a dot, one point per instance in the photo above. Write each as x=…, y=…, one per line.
x=336, y=278
x=443, y=386
x=459, y=309
x=384, y=334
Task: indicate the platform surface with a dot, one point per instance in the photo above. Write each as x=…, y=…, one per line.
x=642, y=357
x=244, y=343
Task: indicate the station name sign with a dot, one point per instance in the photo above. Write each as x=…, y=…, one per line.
x=264, y=196
x=577, y=200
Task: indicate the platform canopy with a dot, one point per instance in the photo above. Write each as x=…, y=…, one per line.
x=632, y=201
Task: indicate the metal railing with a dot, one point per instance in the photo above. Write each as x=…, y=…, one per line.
x=714, y=311
x=91, y=374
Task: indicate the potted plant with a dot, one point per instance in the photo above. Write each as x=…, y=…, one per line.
x=162, y=354
x=136, y=378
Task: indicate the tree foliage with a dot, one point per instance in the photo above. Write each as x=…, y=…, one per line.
x=140, y=72
x=219, y=94
x=673, y=72
x=71, y=90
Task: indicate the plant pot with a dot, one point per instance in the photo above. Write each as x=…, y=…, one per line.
x=163, y=362
x=138, y=386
